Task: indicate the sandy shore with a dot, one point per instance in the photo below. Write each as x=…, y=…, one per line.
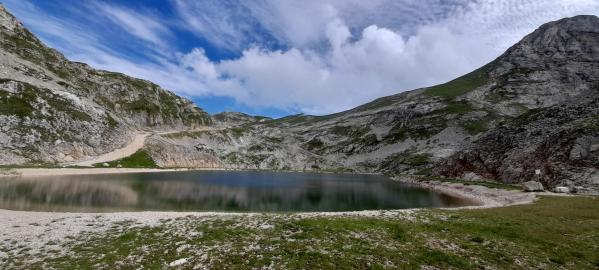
x=85, y=171
x=484, y=197
x=35, y=230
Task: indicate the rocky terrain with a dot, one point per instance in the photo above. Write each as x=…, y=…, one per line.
x=531, y=114
x=53, y=111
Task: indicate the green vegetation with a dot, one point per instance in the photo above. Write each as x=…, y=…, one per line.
x=26, y=45
x=17, y=104
x=61, y=73
x=313, y=144
x=396, y=134
x=111, y=122
x=59, y=103
x=553, y=233
x=183, y=134
x=238, y=132
x=461, y=107
x=475, y=127
x=142, y=105
x=417, y=159
x=461, y=85
x=406, y=161
x=140, y=159
x=24, y=103
x=590, y=125
x=424, y=172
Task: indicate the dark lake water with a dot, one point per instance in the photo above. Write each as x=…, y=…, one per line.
x=216, y=191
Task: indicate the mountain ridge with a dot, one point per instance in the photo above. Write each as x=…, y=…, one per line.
x=426, y=130
x=528, y=114
x=56, y=111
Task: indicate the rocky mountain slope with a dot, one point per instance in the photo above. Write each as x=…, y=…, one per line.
x=54, y=111
x=532, y=113
x=529, y=114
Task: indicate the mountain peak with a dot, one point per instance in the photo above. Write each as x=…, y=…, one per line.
x=574, y=37
x=583, y=23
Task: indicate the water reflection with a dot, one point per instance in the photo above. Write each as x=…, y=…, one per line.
x=216, y=191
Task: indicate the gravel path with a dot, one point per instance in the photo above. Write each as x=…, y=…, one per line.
x=130, y=149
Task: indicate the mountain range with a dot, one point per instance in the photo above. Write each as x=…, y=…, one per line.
x=531, y=114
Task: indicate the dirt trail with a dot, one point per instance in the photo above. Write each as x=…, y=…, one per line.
x=130, y=149
x=137, y=143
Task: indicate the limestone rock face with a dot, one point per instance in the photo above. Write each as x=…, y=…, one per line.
x=231, y=119
x=168, y=154
x=532, y=186
x=54, y=111
x=531, y=114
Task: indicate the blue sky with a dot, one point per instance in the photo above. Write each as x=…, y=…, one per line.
x=283, y=57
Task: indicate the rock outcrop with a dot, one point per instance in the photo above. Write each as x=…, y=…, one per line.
x=54, y=111
x=533, y=109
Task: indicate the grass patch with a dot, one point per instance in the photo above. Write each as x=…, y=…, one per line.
x=17, y=104
x=553, y=233
x=461, y=85
x=140, y=159
x=417, y=159
x=461, y=107
x=476, y=127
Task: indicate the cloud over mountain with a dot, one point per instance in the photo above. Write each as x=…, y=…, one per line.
x=309, y=56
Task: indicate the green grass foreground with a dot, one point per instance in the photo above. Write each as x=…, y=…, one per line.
x=553, y=233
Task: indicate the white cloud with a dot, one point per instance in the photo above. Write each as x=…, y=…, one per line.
x=337, y=54
x=377, y=63
x=225, y=23
x=146, y=27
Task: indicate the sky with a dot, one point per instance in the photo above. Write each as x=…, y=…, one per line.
x=282, y=57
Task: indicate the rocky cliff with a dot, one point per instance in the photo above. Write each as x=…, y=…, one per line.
x=529, y=114
x=53, y=110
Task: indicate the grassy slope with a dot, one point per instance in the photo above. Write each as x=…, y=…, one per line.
x=550, y=234
x=140, y=159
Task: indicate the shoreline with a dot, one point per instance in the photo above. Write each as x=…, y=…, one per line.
x=33, y=226
x=480, y=196
x=485, y=197
x=25, y=172
x=15, y=172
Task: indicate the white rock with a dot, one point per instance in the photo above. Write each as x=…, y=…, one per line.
x=178, y=262
x=266, y=226
x=562, y=190
x=532, y=186
x=105, y=164
x=182, y=248
x=471, y=176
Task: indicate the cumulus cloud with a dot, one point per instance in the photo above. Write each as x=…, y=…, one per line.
x=329, y=55
x=356, y=69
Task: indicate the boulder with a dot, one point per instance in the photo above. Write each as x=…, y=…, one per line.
x=532, y=186
x=562, y=190
x=470, y=176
